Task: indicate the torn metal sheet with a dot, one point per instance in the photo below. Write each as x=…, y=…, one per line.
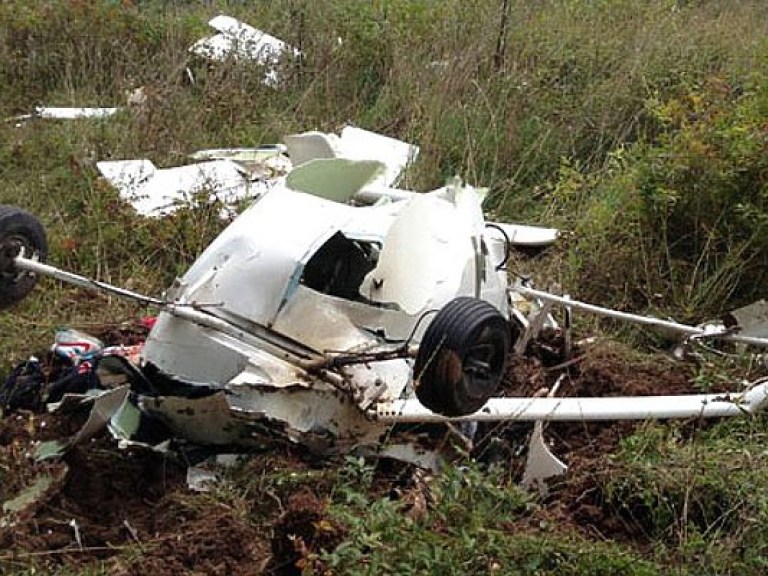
x=124, y=423
x=749, y=321
x=206, y=420
x=156, y=192
x=541, y=464
x=238, y=40
x=103, y=407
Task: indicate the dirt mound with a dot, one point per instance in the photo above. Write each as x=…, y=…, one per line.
x=189, y=538
x=301, y=532
x=104, y=501
x=599, y=369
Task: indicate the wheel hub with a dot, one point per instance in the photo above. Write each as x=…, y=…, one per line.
x=10, y=248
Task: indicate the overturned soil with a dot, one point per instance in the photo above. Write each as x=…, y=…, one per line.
x=132, y=509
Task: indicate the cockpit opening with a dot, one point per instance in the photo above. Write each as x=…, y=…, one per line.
x=339, y=266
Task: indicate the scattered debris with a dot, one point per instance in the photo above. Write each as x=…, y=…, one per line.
x=231, y=175
x=67, y=113
x=240, y=41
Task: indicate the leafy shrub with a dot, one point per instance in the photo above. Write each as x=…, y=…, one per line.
x=474, y=525
x=679, y=222
x=697, y=496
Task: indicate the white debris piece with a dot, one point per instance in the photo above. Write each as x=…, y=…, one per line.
x=311, y=145
x=157, y=192
x=74, y=113
x=527, y=236
x=201, y=479
x=236, y=39
x=265, y=162
x=541, y=464
x=750, y=320
x=66, y=113
x=358, y=144
x=240, y=154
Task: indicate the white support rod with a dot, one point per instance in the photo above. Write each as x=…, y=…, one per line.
x=583, y=409
x=262, y=339
x=45, y=270
x=637, y=319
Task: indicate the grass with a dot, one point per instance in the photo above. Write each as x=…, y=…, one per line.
x=638, y=126
x=697, y=498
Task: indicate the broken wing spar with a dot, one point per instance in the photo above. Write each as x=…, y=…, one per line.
x=718, y=332
x=591, y=409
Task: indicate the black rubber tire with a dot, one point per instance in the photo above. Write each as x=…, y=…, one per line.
x=462, y=357
x=19, y=230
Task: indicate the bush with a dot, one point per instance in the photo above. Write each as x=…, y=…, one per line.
x=679, y=222
x=694, y=497
x=475, y=524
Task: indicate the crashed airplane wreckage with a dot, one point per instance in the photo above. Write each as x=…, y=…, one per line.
x=334, y=307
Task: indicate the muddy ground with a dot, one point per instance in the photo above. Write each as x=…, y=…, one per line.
x=132, y=508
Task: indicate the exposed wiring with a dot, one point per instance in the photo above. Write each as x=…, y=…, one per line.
x=507, y=244
x=416, y=326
